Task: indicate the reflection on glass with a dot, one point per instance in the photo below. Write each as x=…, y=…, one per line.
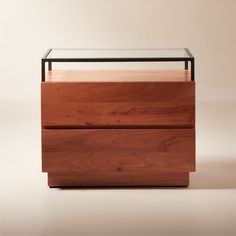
x=118, y=53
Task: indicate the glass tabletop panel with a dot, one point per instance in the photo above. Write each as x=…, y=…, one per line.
x=118, y=53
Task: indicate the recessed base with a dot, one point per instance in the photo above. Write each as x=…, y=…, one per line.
x=119, y=180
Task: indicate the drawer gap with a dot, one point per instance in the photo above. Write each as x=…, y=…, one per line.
x=187, y=126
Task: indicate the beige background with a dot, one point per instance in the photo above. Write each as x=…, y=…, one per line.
x=28, y=28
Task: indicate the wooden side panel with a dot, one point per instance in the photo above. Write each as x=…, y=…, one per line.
x=136, y=151
x=118, y=103
x=117, y=179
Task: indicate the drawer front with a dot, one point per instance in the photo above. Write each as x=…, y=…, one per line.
x=136, y=151
x=119, y=103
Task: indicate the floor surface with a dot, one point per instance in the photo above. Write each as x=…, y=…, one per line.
x=29, y=207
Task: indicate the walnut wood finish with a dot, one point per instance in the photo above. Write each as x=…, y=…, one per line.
x=118, y=103
x=108, y=151
x=118, y=128
x=117, y=75
x=68, y=179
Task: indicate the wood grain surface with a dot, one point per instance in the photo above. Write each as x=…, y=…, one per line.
x=118, y=128
x=68, y=179
x=136, y=151
x=122, y=103
x=117, y=75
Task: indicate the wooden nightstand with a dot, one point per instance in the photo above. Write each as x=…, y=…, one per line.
x=118, y=127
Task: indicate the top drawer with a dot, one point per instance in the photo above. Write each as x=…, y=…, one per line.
x=118, y=103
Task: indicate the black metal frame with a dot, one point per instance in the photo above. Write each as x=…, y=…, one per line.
x=186, y=61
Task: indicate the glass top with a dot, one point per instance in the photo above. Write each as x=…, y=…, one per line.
x=181, y=53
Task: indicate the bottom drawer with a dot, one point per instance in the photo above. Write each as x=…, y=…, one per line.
x=126, y=151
